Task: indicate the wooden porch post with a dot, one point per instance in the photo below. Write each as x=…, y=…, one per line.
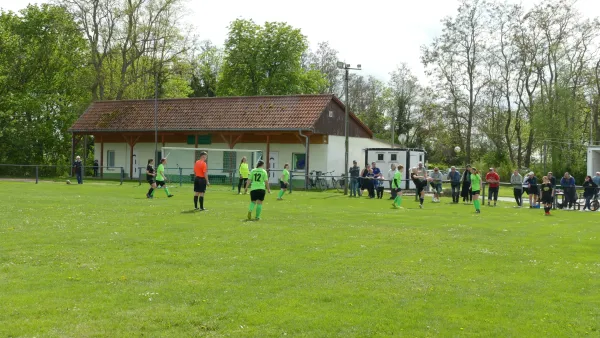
x=72, y=152
x=101, y=158
x=131, y=144
x=268, y=152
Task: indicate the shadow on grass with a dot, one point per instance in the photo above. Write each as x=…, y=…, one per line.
x=189, y=211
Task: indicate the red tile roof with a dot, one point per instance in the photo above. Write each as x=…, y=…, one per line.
x=218, y=113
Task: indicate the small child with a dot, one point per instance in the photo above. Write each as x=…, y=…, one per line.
x=380, y=187
x=547, y=195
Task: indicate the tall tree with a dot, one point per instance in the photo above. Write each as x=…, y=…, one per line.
x=266, y=60
x=123, y=36
x=404, y=89
x=205, y=70
x=324, y=60
x=457, y=57
x=43, y=84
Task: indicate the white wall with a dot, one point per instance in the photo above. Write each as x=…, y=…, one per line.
x=593, y=160
x=185, y=158
x=336, y=150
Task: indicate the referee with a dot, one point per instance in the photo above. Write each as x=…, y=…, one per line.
x=200, y=181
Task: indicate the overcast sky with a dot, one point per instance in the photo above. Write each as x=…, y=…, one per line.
x=378, y=34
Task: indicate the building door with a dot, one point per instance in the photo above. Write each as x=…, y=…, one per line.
x=274, y=170
x=136, y=170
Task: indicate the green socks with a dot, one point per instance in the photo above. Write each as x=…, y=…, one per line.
x=258, y=210
x=281, y=192
x=252, y=204
x=477, y=204
x=398, y=200
x=167, y=190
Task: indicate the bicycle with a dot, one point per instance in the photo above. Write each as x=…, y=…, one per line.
x=317, y=181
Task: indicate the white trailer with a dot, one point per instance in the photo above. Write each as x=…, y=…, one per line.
x=384, y=157
x=593, y=160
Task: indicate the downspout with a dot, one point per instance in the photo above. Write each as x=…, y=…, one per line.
x=306, y=159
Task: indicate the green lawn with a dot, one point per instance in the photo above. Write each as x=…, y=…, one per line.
x=101, y=260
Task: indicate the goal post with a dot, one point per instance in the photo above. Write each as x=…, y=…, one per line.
x=223, y=164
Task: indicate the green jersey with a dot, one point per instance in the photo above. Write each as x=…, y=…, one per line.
x=285, y=176
x=397, y=179
x=475, y=182
x=258, y=178
x=159, y=172
x=244, y=170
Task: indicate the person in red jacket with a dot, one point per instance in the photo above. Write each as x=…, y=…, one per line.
x=493, y=179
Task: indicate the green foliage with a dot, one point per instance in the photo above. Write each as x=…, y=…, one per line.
x=266, y=60
x=44, y=84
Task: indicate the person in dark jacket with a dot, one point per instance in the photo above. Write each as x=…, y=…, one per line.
x=568, y=185
x=78, y=166
x=96, y=167
x=454, y=178
x=465, y=192
x=364, y=181
x=588, y=193
x=354, y=172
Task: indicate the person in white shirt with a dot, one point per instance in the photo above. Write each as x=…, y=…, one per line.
x=390, y=178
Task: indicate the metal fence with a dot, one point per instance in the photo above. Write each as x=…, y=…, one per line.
x=37, y=172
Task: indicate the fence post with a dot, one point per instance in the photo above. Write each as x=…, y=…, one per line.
x=233, y=180
x=36, y=174
x=291, y=182
x=122, y=175
x=180, y=176
x=139, y=175
x=82, y=173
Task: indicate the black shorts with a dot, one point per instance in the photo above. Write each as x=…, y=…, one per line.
x=493, y=189
x=476, y=192
x=151, y=181
x=257, y=195
x=199, y=184
x=160, y=183
x=533, y=190
x=419, y=185
x=547, y=199
x=282, y=185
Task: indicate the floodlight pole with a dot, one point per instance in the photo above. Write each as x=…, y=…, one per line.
x=346, y=67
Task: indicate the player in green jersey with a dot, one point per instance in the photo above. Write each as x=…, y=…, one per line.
x=476, y=188
x=257, y=182
x=161, y=177
x=396, y=186
x=284, y=181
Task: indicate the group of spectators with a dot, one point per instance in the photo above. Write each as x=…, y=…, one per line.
x=371, y=178
x=530, y=185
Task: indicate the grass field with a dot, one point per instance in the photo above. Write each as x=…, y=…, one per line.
x=102, y=260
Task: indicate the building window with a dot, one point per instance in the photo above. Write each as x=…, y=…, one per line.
x=298, y=161
x=110, y=158
x=229, y=161
x=202, y=139
x=379, y=157
x=394, y=157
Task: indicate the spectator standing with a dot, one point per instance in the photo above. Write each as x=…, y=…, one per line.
x=78, y=166
x=493, y=179
x=364, y=182
x=517, y=182
x=532, y=189
x=454, y=178
x=552, y=179
x=354, y=180
x=390, y=177
x=589, y=190
x=436, y=184
x=568, y=185
x=466, y=186
x=371, y=181
x=96, y=166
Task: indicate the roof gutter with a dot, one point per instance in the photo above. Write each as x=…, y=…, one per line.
x=182, y=130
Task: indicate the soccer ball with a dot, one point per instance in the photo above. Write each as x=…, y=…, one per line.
x=68, y=182
x=457, y=149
